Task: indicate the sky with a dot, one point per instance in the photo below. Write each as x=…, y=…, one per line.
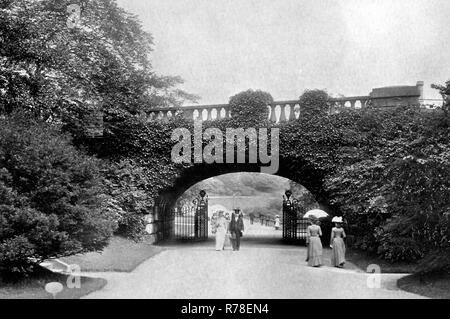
x=348, y=47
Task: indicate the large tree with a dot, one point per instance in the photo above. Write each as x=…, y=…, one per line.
x=52, y=201
x=68, y=59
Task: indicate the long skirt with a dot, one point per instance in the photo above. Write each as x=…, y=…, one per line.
x=315, y=251
x=227, y=242
x=338, y=252
x=220, y=238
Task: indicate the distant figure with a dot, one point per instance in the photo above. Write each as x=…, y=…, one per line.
x=277, y=222
x=313, y=234
x=236, y=229
x=221, y=231
x=213, y=222
x=337, y=244
x=252, y=217
x=261, y=219
x=227, y=242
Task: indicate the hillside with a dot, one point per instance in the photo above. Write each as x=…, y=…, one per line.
x=252, y=192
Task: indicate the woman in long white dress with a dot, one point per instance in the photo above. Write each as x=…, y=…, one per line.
x=221, y=231
x=227, y=242
x=277, y=222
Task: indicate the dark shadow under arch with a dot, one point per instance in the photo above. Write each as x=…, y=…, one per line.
x=308, y=177
x=294, y=169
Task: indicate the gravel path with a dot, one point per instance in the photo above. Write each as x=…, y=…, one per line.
x=258, y=270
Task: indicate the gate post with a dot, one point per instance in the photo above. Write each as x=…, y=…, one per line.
x=293, y=223
x=287, y=215
x=201, y=217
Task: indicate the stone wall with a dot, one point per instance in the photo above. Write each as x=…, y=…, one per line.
x=397, y=95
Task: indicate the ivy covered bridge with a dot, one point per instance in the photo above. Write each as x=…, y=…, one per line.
x=313, y=148
x=94, y=143
x=285, y=111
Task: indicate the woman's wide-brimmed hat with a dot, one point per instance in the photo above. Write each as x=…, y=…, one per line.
x=336, y=219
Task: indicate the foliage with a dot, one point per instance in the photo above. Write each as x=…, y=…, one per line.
x=444, y=90
x=136, y=168
x=51, y=197
x=314, y=103
x=63, y=67
x=310, y=149
x=396, y=248
x=397, y=190
x=71, y=72
x=386, y=171
x=250, y=107
x=127, y=184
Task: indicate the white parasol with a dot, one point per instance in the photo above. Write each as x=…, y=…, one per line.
x=318, y=213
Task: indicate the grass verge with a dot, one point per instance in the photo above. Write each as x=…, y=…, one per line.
x=435, y=286
x=33, y=287
x=363, y=259
x=121, y=255
x=430, y=285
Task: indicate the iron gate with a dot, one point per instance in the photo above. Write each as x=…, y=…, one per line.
x=294, y=225
x=192, y=223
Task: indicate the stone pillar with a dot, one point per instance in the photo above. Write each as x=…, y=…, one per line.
x=199, y=114
x=363, y=103
x=282, y=113
x=273, y=117
x=227, y=113
x=291, y=115
x=209, y=112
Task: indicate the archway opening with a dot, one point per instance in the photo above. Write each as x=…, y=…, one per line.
x=258, y=196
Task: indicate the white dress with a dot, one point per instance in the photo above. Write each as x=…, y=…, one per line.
x=221, y=231
x=277, y=222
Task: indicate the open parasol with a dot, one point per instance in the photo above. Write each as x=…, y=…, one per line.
x=318, y=213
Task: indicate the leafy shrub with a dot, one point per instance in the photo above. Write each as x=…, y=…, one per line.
x=314, y=103
x=250, y=107
x=437, y=258
x=127, y=184
x=50, y=194
x=15, y=253
x=394, y=188
x=396, y=248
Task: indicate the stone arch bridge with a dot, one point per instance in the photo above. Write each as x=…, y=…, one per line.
x=161, y=220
